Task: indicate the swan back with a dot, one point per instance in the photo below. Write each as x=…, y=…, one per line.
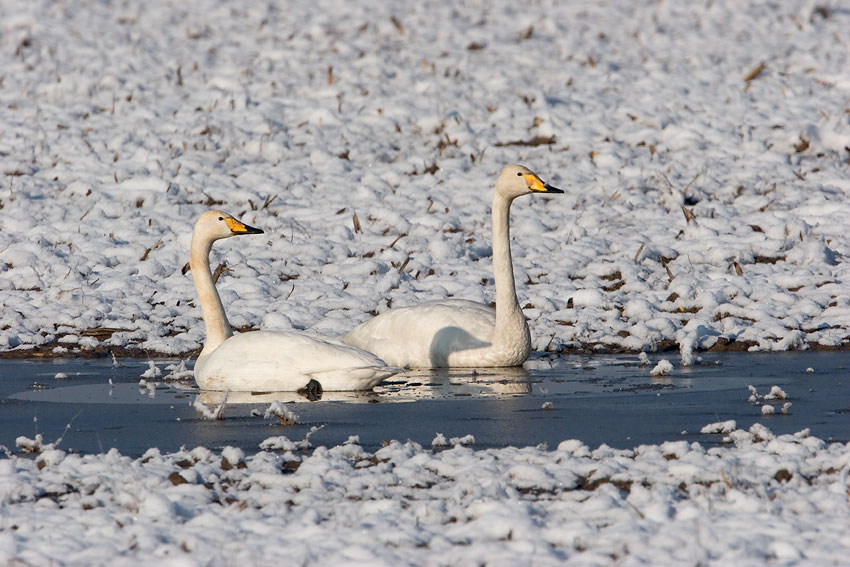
x=286, y=360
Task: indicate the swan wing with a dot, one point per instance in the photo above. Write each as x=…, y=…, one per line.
x=425, y=335
x=287, y=361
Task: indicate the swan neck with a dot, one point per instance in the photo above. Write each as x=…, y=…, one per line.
x=215, y=320
x=507, y=305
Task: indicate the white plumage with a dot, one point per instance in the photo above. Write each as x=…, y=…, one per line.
x=457, y=332
x=266, y=360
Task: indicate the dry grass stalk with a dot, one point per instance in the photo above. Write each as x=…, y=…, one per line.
x=397, y=25
x=664, y=263
x=356, y=222
x=533, y=142
x=218, y=271
x=755, y=72
x=269, y=200
x=738, y=269
x=148, y=251
x=399, y=237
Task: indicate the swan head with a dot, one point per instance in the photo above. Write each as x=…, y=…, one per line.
x=215, y=225
x=517, y=180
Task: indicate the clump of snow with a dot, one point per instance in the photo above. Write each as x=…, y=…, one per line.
x=439, y=441
x=768, y=410
x=232, y=457
x=663, y=368
x=547, y=406
x=60, y=376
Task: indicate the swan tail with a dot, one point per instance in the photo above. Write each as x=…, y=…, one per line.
x=364, y=378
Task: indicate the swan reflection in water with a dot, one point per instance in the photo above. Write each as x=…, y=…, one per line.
x=406, y=386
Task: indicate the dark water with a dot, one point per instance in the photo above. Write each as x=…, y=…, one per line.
x=597, y=399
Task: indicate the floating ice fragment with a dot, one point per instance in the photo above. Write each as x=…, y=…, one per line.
x=643, y=358
x=178, y=372
x=465, y=440
x=662, y=368
x=152, y=372
x=767, y=410
x=547, y=406
x=686, y=350
x=720, y=427
x=203, y=409
x=60, y=376
x=810, y=370
x=282, y=413
x=279, y=442
x=439, y=441
x=28, y=445
x=786, y=407
x=210, y=413
x=776, y=393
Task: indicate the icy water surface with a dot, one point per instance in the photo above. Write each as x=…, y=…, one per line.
x=93, y=405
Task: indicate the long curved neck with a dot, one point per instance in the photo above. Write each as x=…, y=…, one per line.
x=509, y=317
x=217, y=326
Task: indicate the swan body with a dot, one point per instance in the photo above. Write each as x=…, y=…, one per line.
x=456, y=332
x=266, y=360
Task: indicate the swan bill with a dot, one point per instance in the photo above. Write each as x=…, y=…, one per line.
x=537, y=185
x=238, y=227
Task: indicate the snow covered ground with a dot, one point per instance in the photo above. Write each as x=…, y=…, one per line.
x=701, y=208
x=762, y=500
x=704, y=150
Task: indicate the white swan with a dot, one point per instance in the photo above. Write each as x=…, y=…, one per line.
x=266, y=360
x=457, y=332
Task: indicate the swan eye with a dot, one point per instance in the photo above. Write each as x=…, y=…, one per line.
x=519, y=174
x=220, y=218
